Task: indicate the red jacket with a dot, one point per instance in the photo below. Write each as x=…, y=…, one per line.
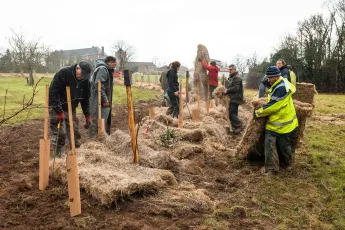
x=212, y=72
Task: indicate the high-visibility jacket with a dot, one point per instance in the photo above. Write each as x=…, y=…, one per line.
x=293, y=77
x=282, y=119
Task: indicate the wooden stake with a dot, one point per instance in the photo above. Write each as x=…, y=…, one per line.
x=132, y=124
x=151, y=112
x=100, y=119
x=208, y=97
x=187, y=87
x=199, y=88
x=72, y=166
x=180, y=116
x=196, y=114
x=223, y=79
x=45, y=148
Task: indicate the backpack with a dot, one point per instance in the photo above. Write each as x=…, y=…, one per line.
x=164, y=80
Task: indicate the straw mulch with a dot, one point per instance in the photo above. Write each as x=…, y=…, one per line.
x=200, y=72
x=305, y=92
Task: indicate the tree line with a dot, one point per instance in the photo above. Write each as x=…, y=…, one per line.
x=316, y=51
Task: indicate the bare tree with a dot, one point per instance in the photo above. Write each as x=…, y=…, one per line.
x=27, y=54
x=124, y=52
x=240, y=63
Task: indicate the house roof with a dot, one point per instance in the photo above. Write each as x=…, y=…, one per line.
x=94, y=50
x=134, y=66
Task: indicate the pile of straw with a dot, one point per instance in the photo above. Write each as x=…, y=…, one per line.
x=304, y=92
x=200, y=72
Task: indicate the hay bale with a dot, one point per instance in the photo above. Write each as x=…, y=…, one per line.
x=303, y=111
x=113, y=180
x=180, y=202
x=254, y=132
x=253, y=137
x=304, y=92
x=200, y=73
x=187, y=150
x=195, y=136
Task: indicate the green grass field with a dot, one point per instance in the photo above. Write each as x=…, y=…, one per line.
x=17, y=89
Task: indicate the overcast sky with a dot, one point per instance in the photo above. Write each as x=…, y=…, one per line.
x=168, y=30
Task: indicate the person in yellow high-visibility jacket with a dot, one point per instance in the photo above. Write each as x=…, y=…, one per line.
x=292, y=75
x=281, y=123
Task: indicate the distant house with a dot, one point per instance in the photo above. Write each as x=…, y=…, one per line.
x=68, y=57
x=141, y=67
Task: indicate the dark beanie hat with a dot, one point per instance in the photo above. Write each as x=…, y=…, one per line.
x=110, y=59
x=85, y=69
x=272, y=71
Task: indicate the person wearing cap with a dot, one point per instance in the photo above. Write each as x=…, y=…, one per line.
x=292, y=75
x=77, y=78
x=103, y=73
x=213, y=70
x=284, y=71
x=235, y=92
x=281, y=123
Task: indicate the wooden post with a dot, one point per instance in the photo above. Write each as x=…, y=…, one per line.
x=100, y=119
x=223, y=79
x=208, y=96
x=187, y=86
x=156, y=79
x=148, y=78
x=151, y=112
x=199, y=88
x=72, y=166
x=45, y=148
x=180, y=116
x=131, y=122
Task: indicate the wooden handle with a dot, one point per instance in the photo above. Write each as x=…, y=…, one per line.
x=70, y=119
x=99, y=101
x=46, y=117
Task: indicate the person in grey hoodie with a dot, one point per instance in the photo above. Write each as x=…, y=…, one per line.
x=103, y=73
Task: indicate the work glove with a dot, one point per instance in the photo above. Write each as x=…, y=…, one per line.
x=60, y=117
x=87, y=122
x=106, y=104
x=254, y=115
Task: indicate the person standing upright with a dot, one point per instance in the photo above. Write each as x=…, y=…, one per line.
x=103, y=73
x=173, y=87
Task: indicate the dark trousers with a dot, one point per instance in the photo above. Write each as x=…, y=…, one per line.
x=233, y=116
x=59, y=135
x=277, y=152
x=174, y=102
x=212, y=88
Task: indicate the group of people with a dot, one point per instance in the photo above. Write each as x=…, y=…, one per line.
x=83, y=83
x=279, y=83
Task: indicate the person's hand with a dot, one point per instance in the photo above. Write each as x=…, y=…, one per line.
x=225, y=92
x=176, y=93
x=60, y=117
x=87, y=121
x=106, y=104
x=254, y=115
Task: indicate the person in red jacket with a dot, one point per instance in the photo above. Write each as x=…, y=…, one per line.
x=213, y=70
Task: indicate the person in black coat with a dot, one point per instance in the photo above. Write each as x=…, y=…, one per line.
x=77, y=78
x=173, y=87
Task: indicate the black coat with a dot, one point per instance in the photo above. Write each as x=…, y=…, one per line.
x=235, y=89
x=80, y=91
x=285, y=72
x=172, y=80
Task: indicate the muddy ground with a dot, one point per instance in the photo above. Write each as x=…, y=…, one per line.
x=228, y=181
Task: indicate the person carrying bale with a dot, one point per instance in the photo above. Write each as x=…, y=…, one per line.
x=281, y=124
x=173, y=87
